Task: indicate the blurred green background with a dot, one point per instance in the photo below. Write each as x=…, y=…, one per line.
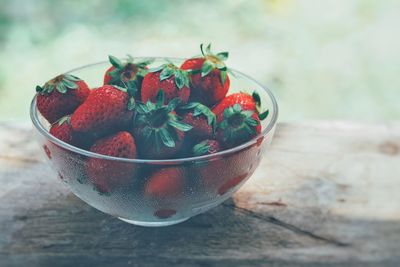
x=331, y=59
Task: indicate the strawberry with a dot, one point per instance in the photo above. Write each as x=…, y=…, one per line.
x=237, y=126
x=242, y=164
x=238, y=118
x=107, y=108
x=208, y=171
x=228, y=185
x=209, y=78
x=159, y=131
x=165, y=183
x=107, y=175
x=47, y=151
x=127, y=75
x=62, y=130
x=220, y=174
x=61, y=96
x=246, y=101
x=164, y=213
x=169, y=78
x=202, y=120
x=164, y=186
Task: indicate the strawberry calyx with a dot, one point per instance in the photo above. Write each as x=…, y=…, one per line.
x=237, y=123
x=126, y=74
x=159, y=123
x=129, y=69
x=65, y=119
x=61, y=83
x=213, y=61
x=181, y=77
x=200, y=109
x=257, y=99
x=131, y=101
x=206, y=147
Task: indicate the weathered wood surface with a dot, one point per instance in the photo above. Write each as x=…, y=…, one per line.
x=325, y=194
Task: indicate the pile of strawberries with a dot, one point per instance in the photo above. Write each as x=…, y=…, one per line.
x=160, y=113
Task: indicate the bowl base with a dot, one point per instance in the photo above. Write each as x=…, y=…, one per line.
x=154, y=224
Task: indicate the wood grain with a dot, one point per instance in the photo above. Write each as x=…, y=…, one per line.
x=325, y=194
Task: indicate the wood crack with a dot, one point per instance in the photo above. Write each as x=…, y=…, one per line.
x=287, y=226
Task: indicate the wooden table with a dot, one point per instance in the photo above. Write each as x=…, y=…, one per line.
x=328, y=193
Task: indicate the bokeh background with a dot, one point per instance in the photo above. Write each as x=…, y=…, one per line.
x=331, y=59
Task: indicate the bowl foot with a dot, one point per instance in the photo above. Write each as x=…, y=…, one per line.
x=154, y=224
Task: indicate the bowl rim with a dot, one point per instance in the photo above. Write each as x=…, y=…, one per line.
x=40, y=127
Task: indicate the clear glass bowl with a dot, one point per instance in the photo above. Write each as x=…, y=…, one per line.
x=209, y=179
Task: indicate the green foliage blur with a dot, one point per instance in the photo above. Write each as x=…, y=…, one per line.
x=331, y=59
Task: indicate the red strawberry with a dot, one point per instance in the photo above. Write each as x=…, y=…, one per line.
x=61, y=96
x=127, y=75
x=202, y=120
x=169, y=78
x=107, y=175
x=164, y=186
x=209, y=79
x=107, y=109
x=47, y=151
x=158, y=130
x=208, y=171
x=238, y=118
x=237, y=126
x=220, y=174
x=246, y=101
x=242, y=165
x=62, y=130
x=164, y=213
x=228, y=185
x=165, y=183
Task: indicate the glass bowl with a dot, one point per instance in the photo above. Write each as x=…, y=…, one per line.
x=208, y=180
